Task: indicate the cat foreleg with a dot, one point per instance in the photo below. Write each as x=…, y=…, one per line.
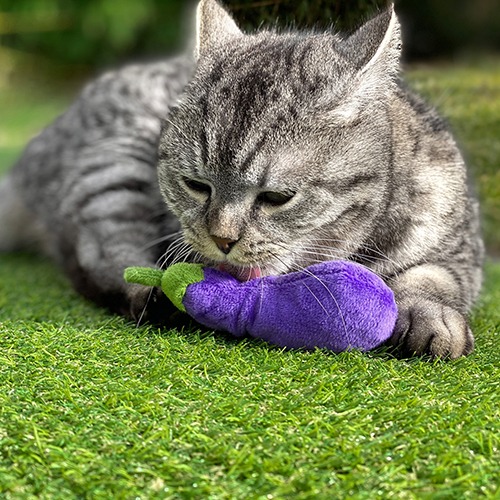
x=95, y=260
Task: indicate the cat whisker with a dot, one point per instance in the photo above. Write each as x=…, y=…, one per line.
x=324, y=252
x=324, y=249
x=180, y=255
x=176, y=246
x=171, y=251
x=300, y=253
x=330, y=256
x=261, y=294
x=144, y=309
x=197, y=257
x=183, y=252
x=368, y=246
x=317, y=300
x=161, y=239
x=174, y=252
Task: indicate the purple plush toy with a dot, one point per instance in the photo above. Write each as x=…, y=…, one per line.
x=334, y=305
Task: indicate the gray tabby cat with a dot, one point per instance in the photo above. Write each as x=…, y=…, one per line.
x=273, y=151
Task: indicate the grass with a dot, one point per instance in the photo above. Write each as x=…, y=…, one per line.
x=92, y=407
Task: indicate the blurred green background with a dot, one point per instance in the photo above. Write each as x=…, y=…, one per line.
x=91, y=33
x=49, y=47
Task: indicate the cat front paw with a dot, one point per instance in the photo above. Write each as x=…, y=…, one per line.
x=425, y=327
x=149, y=305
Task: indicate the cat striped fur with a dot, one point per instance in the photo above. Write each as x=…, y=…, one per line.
x=89, y=180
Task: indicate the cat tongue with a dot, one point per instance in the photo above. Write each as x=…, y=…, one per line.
x=241, y=273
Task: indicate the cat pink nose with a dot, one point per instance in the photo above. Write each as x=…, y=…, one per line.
x=224, y=244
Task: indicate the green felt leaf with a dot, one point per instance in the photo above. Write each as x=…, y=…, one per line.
x=177, y=278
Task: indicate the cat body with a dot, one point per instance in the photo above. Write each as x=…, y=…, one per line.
x=85, y=189
x=272, y=151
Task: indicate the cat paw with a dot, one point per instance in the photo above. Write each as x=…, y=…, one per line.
x=425, y=327
x=149, y=305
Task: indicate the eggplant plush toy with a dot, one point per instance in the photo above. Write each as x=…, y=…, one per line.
x=335, y=305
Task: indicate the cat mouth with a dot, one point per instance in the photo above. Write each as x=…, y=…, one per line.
x=241, y=273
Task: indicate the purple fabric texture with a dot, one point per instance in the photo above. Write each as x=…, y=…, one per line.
x=335, y=305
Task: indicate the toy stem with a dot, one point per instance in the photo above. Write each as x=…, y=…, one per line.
x=143, y=276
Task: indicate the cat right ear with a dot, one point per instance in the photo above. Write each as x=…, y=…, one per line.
x=214, y=26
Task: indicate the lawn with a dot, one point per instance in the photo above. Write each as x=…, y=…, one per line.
x=93, y=407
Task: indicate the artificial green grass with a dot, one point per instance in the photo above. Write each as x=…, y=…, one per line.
x=93, y=407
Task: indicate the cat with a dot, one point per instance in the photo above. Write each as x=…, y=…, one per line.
x=262, y=154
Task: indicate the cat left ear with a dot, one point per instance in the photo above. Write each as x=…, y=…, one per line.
x=214, y=26
x=375, y=51
x=377, y=42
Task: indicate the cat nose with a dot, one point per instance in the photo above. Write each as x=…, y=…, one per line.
x=224, y=244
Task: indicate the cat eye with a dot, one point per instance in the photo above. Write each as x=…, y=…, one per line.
x=275, y=198
x=197, y=186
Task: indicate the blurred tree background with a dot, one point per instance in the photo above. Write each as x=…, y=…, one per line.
x=78, y=36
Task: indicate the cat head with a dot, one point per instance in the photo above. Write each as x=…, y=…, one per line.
x=278, y=153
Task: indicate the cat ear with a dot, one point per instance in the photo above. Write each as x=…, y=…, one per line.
x=214, y=26
x=375, y=51
x=377, y=42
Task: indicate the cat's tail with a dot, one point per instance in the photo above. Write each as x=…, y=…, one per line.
x=18, y=226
